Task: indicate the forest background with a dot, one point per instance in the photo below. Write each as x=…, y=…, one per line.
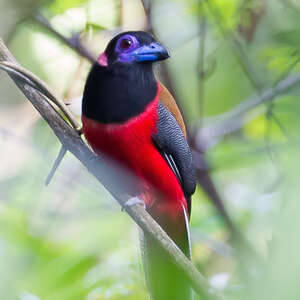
x=235, y=72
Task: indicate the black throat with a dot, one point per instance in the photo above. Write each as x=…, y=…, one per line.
x=117, y=93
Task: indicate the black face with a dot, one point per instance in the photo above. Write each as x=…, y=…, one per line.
x=121, y=84
x=135, y=46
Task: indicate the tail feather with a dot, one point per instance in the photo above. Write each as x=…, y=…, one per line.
x=164, y=280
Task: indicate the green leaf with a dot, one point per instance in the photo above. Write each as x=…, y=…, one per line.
x=94, y=26
x=60, y=6
x=289, y=37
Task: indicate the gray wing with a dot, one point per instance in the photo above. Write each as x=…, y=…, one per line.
x=172, y=145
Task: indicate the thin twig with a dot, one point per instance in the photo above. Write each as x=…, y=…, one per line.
x=120, y=14
x=236, y=118
x=235, y=45
x=74, y=42
x=61, y=155
x=289, y=68
x=35, y=82
x=201, y=67
x=291, y=5
x=203, y=174
x=105, y=173
x=147, y=4
x=239, y=52
x=237, y=49
x=270, y=106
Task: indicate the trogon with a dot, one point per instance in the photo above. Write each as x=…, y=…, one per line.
x=130, y=117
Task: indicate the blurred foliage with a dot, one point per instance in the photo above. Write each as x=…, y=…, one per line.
x=70, y=240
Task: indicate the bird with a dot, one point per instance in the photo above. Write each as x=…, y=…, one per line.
x=130, y=117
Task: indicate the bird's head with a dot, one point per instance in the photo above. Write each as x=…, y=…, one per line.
x=132, y=47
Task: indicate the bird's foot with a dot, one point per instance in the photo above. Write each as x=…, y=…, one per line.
x=133, y=201
x=79, y=130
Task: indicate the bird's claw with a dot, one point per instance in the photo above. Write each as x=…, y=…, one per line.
x=133, y=201
x=79, y=130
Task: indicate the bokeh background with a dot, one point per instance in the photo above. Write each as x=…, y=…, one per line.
x=70, y=240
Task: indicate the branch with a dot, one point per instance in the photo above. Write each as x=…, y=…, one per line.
x=235, y=45
x=147, y=4
x=291, y=5
x=202, y=169
x=35, y=82
x=201, y=66
x=236, y=118
x=104, y=173
x=74, y=42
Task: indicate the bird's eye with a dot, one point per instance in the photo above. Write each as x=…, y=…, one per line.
x=125, y=44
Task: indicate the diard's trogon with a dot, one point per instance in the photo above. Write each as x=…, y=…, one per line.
x=131, y=118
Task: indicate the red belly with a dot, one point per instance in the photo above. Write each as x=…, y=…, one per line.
x=131, y=145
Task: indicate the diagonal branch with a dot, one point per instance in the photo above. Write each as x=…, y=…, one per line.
x=35, y=82
x=235, y=44
x=243, y=113
x=201, y=66
x=105, y=173
x=73, y=42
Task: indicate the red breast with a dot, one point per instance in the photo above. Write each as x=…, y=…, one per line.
x=131, y=144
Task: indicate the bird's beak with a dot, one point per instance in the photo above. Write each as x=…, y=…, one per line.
x=153, y=52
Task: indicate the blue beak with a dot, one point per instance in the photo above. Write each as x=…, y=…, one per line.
x=153, y=52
